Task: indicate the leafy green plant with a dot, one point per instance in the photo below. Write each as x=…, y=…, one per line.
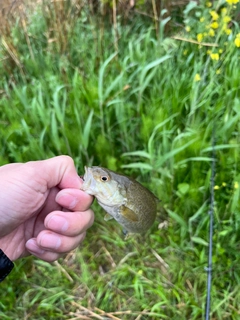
x=147, y=108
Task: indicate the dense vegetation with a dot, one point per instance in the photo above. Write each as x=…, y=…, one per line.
x=144, y=94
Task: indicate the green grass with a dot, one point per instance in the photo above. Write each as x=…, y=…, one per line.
x=141, y=112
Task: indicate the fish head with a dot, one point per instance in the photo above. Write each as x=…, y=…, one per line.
x=99, y=182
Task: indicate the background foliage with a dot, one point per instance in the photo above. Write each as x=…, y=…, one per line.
x=138, y=87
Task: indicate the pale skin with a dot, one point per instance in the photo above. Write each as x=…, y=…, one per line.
x=43, y=212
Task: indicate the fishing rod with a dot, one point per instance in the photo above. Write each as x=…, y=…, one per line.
x=211, y=224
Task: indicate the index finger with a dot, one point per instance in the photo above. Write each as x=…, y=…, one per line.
x=74, y=199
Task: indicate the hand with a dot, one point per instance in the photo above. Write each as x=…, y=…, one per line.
x=42, y=209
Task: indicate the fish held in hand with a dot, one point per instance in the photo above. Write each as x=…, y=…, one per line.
x=132, y=205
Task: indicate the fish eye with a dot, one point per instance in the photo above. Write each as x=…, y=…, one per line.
x=104, y=178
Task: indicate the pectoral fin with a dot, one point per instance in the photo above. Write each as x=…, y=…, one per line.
x=128, y=235
x=107, y=217
x=128, y=214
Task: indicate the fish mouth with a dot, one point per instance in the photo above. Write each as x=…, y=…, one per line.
x=88, y=181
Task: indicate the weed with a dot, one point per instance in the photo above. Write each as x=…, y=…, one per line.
x=131, y=99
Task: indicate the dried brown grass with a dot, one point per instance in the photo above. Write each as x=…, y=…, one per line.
x=62, y=10
x=61, y=16
x=10, y=12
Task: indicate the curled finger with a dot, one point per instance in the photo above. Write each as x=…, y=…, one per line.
x=74, y=199
x=58, y=243
x=39, y=252
x=69, y=223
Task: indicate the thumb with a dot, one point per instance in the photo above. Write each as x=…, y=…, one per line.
x=59, y=171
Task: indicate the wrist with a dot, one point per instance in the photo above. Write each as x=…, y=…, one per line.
x=6, y=265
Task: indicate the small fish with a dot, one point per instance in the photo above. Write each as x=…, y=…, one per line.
x=124, y=199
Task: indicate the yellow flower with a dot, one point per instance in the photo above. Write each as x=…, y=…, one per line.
x=209, y=4
x=224, y=11
x=197, y=77
x=218, y=71
x=214, y=56
x=236, y=185
x=228, y=31
x=220, y=50
x=201, y=19
x=209, y=51
x=237, y=42
x=211, y=33
x=214, y=25
x=214, y=15
x=224, y=184
x=216, y=187
x=232, y=1
x=226, y=19
x=187, y=28
x=199, y=37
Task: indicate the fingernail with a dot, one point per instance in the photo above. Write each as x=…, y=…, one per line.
x=50, y=241
x=66, y=200
x=32, y=247
x=57, y=223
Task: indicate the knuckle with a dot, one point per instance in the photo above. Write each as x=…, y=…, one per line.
x=67, y=159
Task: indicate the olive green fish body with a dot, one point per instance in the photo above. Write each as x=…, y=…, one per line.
x=132, y=205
